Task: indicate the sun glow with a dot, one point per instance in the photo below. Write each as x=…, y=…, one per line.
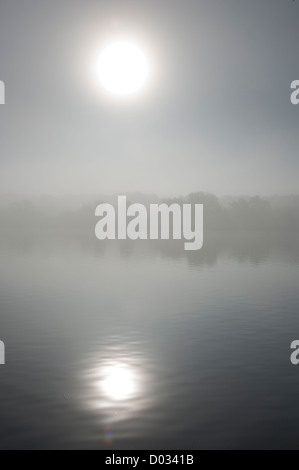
x=119, y=382
x=123, y=68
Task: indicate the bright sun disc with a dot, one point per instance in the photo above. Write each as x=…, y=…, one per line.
x=123, y=68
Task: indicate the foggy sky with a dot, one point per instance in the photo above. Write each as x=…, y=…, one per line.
x=216, y=117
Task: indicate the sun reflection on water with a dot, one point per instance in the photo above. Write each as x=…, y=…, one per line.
x=120, y=382
x=116, y=386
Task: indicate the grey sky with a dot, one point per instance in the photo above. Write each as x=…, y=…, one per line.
x=217, y=116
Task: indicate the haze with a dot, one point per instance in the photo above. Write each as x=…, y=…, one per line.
x=216, y=117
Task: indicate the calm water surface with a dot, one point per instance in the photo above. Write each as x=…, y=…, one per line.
x=141, y=346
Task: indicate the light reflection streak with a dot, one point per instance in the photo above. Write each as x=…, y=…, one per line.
x=116, y=385
x=120, y=382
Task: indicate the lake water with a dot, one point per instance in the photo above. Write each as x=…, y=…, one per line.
x=144, y=346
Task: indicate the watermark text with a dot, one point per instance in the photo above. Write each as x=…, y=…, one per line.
x=295, y=93
x=2, y=353
x=156, y=222
x=2, y=92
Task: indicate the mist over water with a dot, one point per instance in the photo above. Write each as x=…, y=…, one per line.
x=133, y=345
x=122, y=344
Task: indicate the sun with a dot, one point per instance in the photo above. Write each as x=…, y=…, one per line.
x=123, y=68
